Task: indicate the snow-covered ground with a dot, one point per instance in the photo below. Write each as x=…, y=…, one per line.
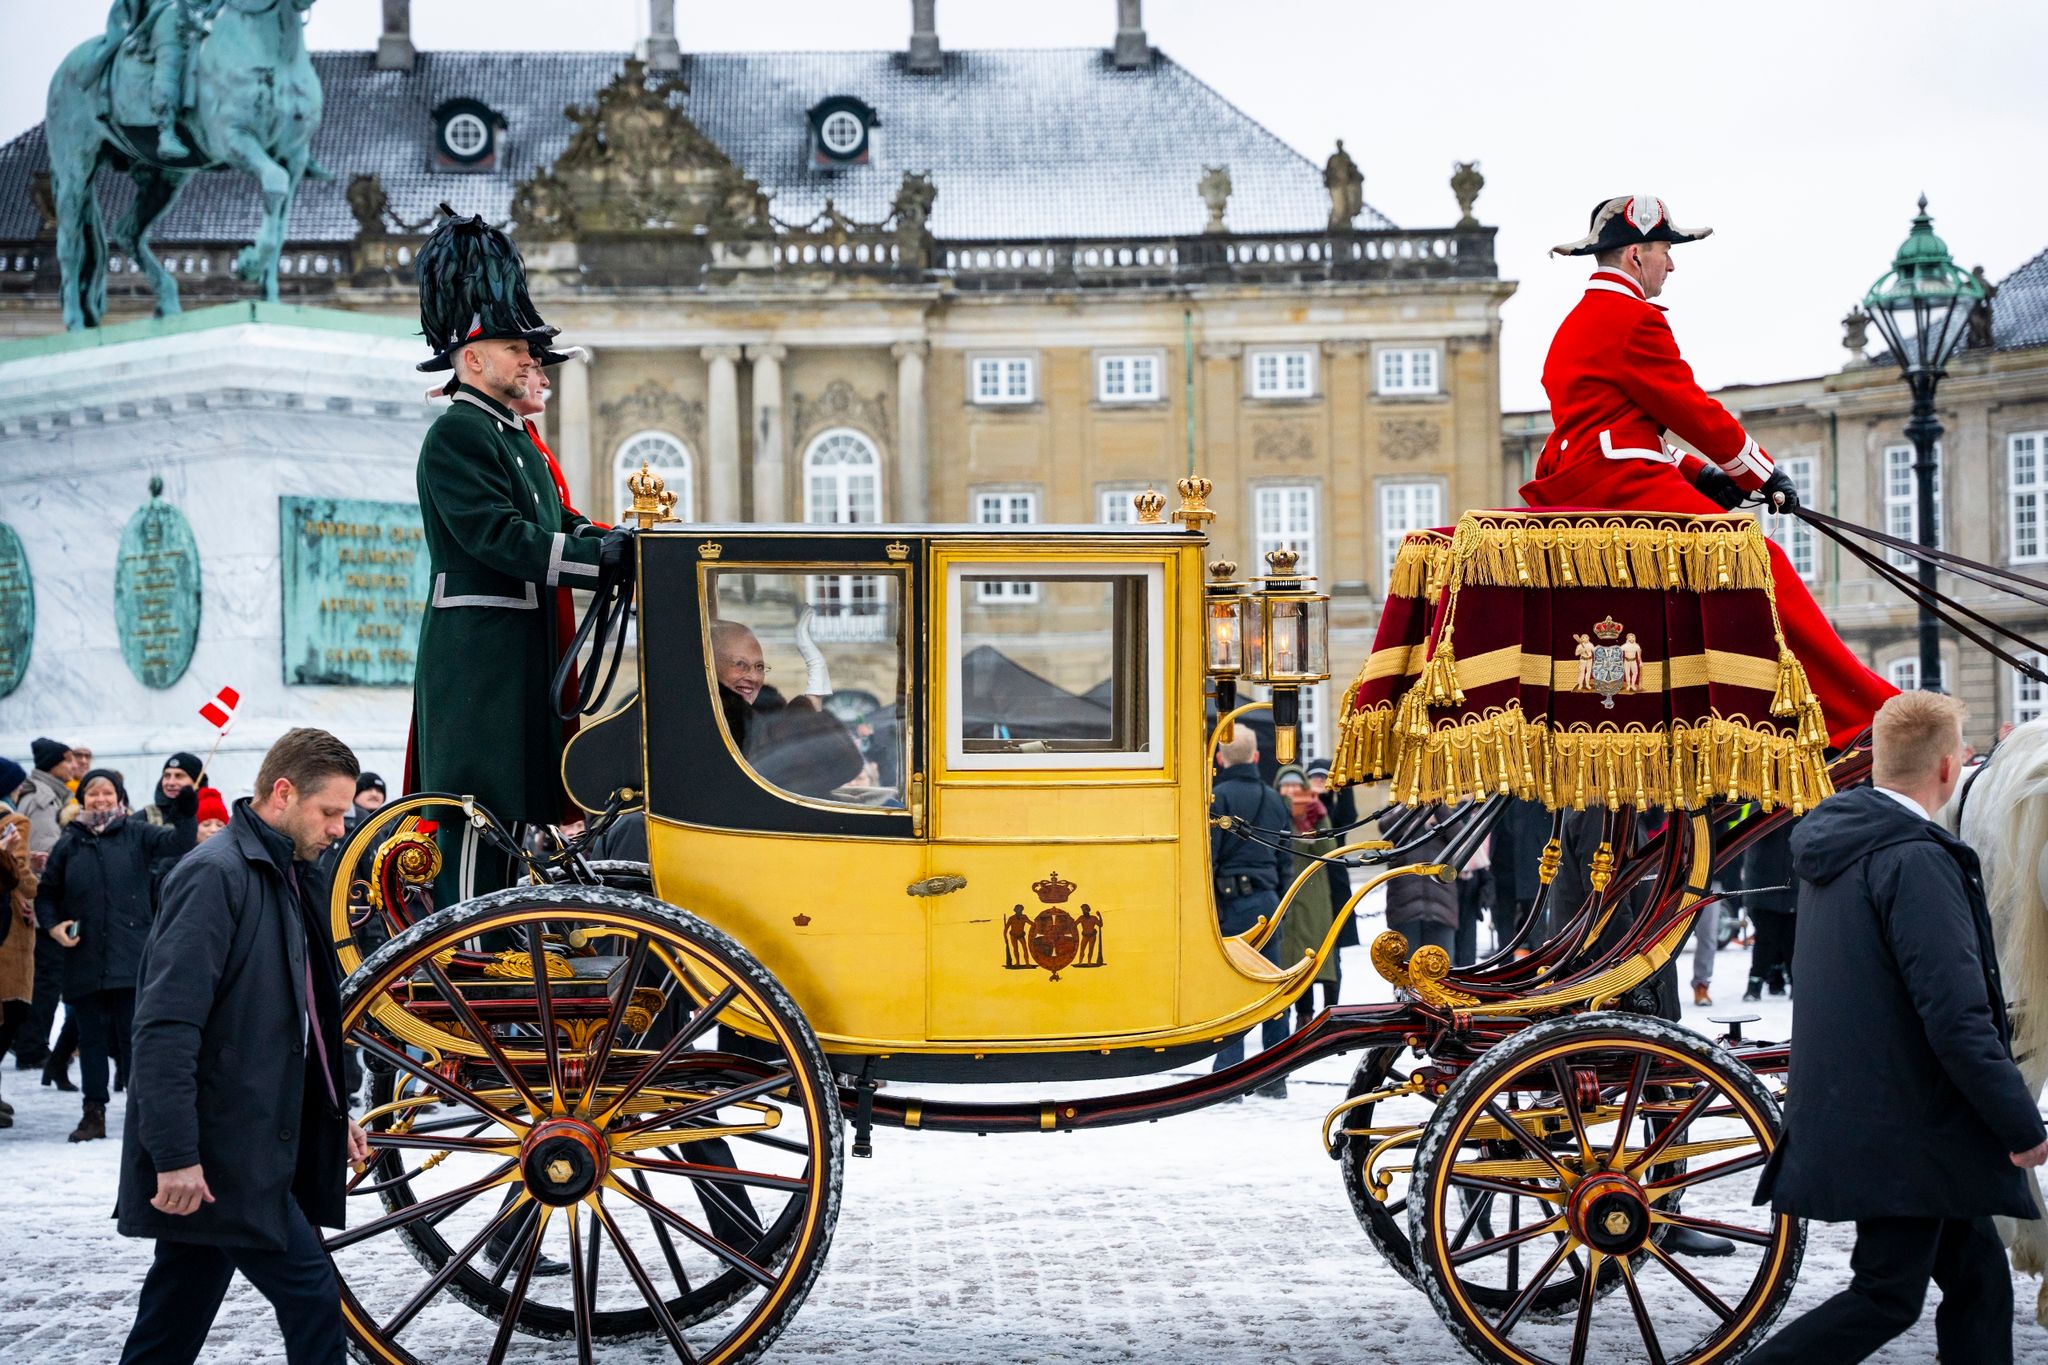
x=1223, y=1236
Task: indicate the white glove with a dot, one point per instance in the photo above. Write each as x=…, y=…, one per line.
x=817, y=676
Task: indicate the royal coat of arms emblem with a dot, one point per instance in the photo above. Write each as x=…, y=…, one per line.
x=1053, y=939
x=1610, y=661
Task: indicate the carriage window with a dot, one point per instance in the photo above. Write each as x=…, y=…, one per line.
x=1071, y=680
x=808, y=671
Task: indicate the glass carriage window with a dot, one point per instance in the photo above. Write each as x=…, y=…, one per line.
x=1073, y=680
x=1794, y=536
x=1902, y=500
x=664, y=455
x=2026, y=454
x=813, y=709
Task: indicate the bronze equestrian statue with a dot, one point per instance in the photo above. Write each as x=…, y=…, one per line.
x=174, y=88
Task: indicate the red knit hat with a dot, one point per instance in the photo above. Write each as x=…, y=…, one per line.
x=211, y=806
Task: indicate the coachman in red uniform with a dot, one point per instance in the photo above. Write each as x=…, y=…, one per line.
x=1617, y=383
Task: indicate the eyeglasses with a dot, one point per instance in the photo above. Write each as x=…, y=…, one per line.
x=742, y=666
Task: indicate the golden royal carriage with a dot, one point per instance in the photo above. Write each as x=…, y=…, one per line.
x=636, y=1072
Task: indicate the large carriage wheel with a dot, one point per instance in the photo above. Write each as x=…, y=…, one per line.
x=1593, y=1134
x=560, y=1147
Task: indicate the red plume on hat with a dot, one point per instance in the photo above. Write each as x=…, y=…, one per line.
x=1628, y=220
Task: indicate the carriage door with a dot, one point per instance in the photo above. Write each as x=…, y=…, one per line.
x=1052, y=795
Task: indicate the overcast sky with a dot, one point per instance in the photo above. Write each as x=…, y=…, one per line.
x=1800, y=130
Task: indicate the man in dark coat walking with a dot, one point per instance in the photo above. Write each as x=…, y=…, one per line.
x=1905, y=1110
x=1250, y=873
x=237, y=1135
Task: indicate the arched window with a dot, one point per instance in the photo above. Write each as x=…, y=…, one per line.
x=663, y=454
x=843, y=486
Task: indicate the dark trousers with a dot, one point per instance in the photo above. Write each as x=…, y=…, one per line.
x=34, y=1038
x=1421, y=932
x=104, y=1019
x=13, y=1014
x=187, y=1282
x=1770, y=954
x=1892, y=1263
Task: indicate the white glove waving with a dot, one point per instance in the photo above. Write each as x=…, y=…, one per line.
x=817, y=676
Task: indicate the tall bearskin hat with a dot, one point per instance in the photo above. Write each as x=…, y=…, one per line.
x=1628, y=220
x=473, y=288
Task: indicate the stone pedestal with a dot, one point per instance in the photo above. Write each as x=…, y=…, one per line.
x=234, y=408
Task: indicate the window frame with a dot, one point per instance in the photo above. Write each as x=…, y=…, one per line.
x=1264, y=539
x=1792, y=535
x=1018, y=593
x=1909, y=504
x=1390, y=545
x=685, y=487
x=2024, y=710
x=1123, y=497
x=1002, y=398
x=1383, y=354
x=2035, y=491
x=1896, y=668
x=1279, y=390
x=1152, y=759
x=1131, y=397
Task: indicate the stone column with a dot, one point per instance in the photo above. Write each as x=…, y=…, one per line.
x=395, y=51
x=913, y=470
x=591, y=494
x=771, y=461
x=723, y=434
x=659, y=48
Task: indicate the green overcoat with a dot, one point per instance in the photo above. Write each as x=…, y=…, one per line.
x=503, y=553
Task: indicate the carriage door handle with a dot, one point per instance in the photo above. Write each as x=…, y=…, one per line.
x=944, y=885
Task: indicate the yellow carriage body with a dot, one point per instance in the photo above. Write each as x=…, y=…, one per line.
x=1017, y=885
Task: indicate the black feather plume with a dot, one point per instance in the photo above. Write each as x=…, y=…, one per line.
x=470, y=275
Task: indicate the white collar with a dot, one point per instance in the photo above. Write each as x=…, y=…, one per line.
x=1617, y=282
x=465, y=396
x=1908, y=802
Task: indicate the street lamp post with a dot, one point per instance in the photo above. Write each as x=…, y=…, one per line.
x=1922, y=307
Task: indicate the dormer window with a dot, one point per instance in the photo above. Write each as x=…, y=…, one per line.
x=466, y=136
x=842, y=132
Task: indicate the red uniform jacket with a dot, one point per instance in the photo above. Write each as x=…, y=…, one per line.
x=1617, y=383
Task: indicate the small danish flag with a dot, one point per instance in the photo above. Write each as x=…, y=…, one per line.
x=220, y=712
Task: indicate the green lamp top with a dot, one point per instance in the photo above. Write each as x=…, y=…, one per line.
x=1923, y=269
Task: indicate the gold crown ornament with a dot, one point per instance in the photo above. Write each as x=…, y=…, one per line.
x=1054, y=890
x=1151, y=505
x=652, y=501
x=1608, y=630
x=1194, y=502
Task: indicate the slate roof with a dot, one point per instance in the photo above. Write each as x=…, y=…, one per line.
x=2019, y=314
x=1020, y=143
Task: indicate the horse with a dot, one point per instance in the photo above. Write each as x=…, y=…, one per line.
x=2002, y=812
x=256, y=105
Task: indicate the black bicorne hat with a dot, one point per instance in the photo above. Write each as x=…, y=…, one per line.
x=473, y=288
x=1628, y=220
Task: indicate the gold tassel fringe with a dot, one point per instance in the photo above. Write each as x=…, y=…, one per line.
x=1604, y=553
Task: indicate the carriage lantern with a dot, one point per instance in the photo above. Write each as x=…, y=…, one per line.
x=1286, y=642
x=1223, y=603
x=1923, y=307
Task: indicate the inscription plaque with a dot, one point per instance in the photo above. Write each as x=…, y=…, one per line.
x=355, y=585
x=156, y=592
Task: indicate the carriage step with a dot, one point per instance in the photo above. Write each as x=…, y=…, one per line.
x=1733, y=1023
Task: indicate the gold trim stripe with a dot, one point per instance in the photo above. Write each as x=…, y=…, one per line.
x=1722, y=667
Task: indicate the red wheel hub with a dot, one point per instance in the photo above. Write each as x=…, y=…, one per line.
x=1609, y=1213
x=563, y=1160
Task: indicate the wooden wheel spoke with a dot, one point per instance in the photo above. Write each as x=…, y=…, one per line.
x=636, y=962
x=1691, y=1281
x=1481, y=1250
x=1676, y=1126
x=638, y=1273
x=1638, y=1079
x=1473, y=1216
x=1701, y=1176
x=517, y=1299
x=709, y=1104
x=1568, y=1096
x=1509, y=1187
x=1589, y=1290
x=720, y=1175
x=454, y=1264
x=448, y=1200
x=450, y=1143
x=544, y=1008
x=1529, y=1292
x=581, y=1290
x=685, y=1036
x=745, y=1265
x=481, y=1033
x=432, y=1079
x=668, y=1245
x=1636, y=1306
x=1522, y=1137
x=1734, y=1232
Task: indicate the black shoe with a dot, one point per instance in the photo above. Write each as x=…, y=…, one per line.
x=57, y=1072
x=1755, y=991
x=29, y=1059
x=1687, y=1242
x=92, y=1125
x=546, y=1265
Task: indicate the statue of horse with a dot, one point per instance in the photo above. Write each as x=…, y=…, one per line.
x=254, y=106
x=2003, y=814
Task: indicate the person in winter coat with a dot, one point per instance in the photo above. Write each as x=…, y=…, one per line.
x=1342, y=804
x=1515, y=851
x=45, y=799
x=1768, y=865
x=1308, y=919
x=1422, y=909
x=1250, y=872
x=1905, y=1112
x=237, y=1133
x=17, y=918
x=94, y=902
